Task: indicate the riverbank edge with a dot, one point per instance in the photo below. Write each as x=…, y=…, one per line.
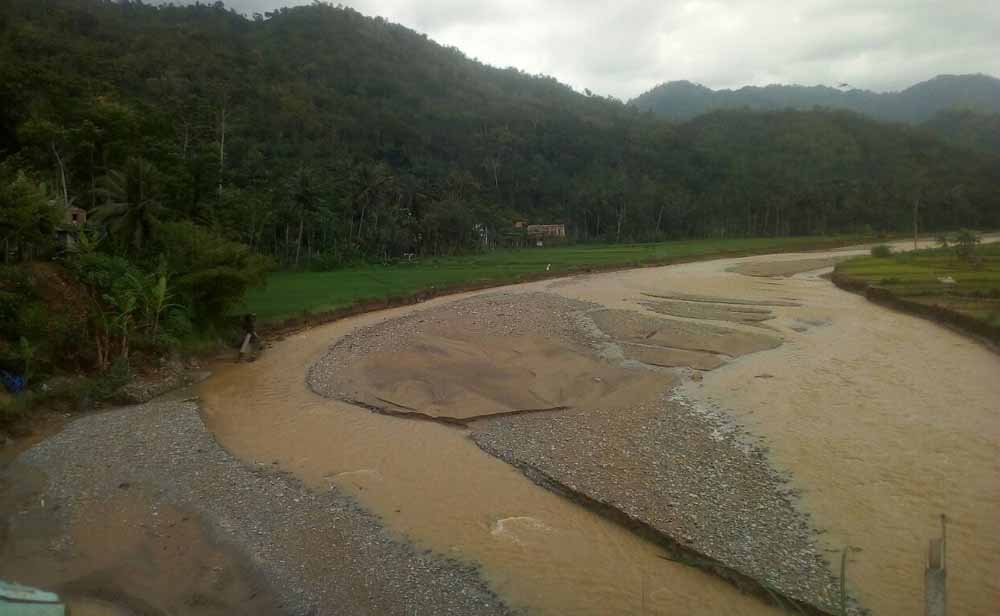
x=13, y=436
x=295, y=324
x=984, y=333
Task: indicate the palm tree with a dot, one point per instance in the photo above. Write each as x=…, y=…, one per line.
x=131, y=210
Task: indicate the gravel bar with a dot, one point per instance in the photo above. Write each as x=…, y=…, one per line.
x=682, y=475
x=317, y=552
x=688, y=479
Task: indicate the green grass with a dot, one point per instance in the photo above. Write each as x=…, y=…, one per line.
x=916, y=277
x=292, y=294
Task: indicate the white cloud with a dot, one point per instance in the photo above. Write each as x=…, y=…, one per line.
x=625, y=47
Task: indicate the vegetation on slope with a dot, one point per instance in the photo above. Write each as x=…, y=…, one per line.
x=957, y=285
x=318, y=136
x=968, y=128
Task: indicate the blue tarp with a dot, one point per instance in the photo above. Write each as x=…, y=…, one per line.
x=14, y=383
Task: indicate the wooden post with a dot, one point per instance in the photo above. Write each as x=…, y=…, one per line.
x=935, y=595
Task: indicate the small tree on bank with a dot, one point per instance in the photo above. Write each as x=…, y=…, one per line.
x=965, y=244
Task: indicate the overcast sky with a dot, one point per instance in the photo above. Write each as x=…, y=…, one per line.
x=624, y=47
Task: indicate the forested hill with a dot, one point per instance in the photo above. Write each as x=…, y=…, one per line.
x=980, y=131
x=319, y=136
x=682, y=100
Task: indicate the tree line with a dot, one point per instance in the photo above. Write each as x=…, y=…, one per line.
x=318, y=137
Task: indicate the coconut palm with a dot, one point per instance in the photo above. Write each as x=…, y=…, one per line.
x=131, y=211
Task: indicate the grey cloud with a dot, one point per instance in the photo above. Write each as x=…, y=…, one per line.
x=622, y=48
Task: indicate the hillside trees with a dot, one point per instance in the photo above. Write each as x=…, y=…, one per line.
x=317, y=137
x=28, y=217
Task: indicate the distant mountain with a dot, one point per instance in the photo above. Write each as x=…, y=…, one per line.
x=683, y=100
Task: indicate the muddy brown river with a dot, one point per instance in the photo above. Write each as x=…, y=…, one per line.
x=884, y=421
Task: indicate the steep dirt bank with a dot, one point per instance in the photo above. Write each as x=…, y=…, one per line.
x=939, y=313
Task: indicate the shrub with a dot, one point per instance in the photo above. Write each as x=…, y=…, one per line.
x=881, y=251
x=211, y=274
x=107, y=384
x=965, y=244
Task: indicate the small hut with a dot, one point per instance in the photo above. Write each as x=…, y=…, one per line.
x=74, y=219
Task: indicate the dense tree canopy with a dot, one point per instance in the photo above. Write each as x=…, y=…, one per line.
x=319, y=136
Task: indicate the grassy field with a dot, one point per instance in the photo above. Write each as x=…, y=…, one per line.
x=293, y=294
x=919, y=278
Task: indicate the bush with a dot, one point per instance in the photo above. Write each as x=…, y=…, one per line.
x=107, y=384
x=211, y=274
x=965, y=244
x=881, y=251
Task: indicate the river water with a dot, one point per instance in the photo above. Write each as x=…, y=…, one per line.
x=883, y=420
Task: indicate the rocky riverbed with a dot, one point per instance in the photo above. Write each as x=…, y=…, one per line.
x=140, y=507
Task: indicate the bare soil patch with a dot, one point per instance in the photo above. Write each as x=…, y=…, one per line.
x=638, y=328
x=122, y=555
x=711, y=312
x=671, y=358
x=499, y=354
x=711, y=299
